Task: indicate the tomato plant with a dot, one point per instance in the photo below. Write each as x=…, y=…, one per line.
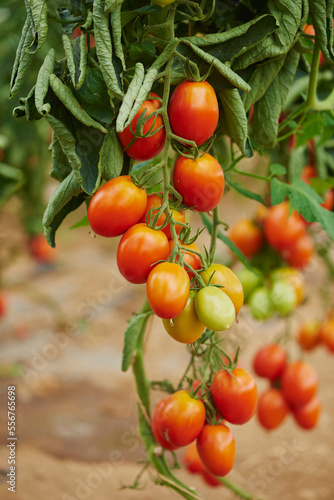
x=154, y=203
x=188, y=256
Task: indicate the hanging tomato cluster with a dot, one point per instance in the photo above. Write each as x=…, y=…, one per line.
x=149, y=250
x=293, y=389
x=314, y=333
x=181, y=418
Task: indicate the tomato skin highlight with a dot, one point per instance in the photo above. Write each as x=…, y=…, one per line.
x=234, y=395
x=281, y=229
x=299, y=383
x=270, y=361
x=307, y=416
x=224, y=276
x=200, y=182
x=180, y=419
x=145, y=148
x=272, y=409
x=185, y=328
x=216, y=448
x=155, y=202
x=193, y=111
x=214, y=308
x=247, y=236
x=140, y=247
x=116, y=206
x=167, y=289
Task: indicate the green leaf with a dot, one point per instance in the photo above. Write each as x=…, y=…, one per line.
x=111, y=156
x=115, y=20
x=140, y=49
x=312, y=126
x=130, y=97
x=11, y=180
x=61, y=167
x=208, y=222
x=42, y=83
x=67, y=197
x=88, y=145
x=111, y=5
x=104, y=49
x=322, y=19
x=234, y=122
x=37, y=12
x=128, y=16
x=65, y=95
x=81, y=223
x=296, y=162
x=277, y=169
x=132, y=333
x=245, y=192
x=268, y=109
x=23, y=59
x=305, y=200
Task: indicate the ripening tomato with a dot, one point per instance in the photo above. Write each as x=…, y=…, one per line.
x=272, y=409
x=214, y=308
x=3, y=304
x=301, y=252
x=261, y=305
x=270, y=361
x=163, y=441
x=225, y=277
x=299, y=383
x=138, y=251
x=200, y=182
x=234, y=394
x=308, y=335
x=167, y=289
x=327, y=334
x=116, y=206
x=193, y=111
x=186, y=327
x=145, y=148
x=292, y=276
x=307, y=416
x=154, y=201
x=247, y=236
x=281, y=229
x=40, y=249
x=216, y=448
x=193, y=464
x=180, y=419
x=189, y=258
x=250, y=281
x=284, y=297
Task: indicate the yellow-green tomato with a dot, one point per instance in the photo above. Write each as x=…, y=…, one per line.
x=186, y=327
x=222, y=275
x=250, y=281
x=163, y=3
x=214, y=308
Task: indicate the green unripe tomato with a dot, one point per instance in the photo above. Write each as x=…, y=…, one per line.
x=284, y=297
x=186, y=327
x=250, y=281
x=214, y=308
x=261, y=305
x=163, y=3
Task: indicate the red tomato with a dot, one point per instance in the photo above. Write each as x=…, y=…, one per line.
x=193, y=111
x=308, y=335
x=247, y=236
x=154, y=201
x=180, y=419
x=272, y=409
x=77, y=32
x=234, y=395
x=299, y=383
x=167, y=289
x=281, y=229
x=301, y=252
x=40, y=249
x=270, y=361
x=193, y=464
x=145, y=148
x=189, y=258
x=155, y=428
x=327, y=334
x=216, y=448
x=200, y=182
x=138, y=251
x=3, y=304
x=307, y=416
x=116, y=206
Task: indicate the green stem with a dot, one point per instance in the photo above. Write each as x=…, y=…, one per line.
x=142, y=383
x=255, y=176
x=312, y=88
x=214, y=233
x=236, y=489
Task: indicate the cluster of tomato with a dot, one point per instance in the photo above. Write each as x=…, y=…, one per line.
x=181, y=418
x=293, y=389
x=314, y=333
x=146, y=252
x=281, y=293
